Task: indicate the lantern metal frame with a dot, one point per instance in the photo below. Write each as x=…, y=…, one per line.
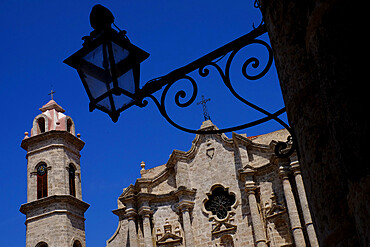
x=135, y=56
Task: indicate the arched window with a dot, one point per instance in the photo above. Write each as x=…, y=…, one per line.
x=42, y=244
x=42, y=181
x=41, y=124
x=77, y=244
x=69, y=126
x=72, y=175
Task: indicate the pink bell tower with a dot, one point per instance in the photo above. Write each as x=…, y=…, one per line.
x=54, y=209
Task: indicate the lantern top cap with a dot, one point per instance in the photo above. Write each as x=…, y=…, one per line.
x=101, y=18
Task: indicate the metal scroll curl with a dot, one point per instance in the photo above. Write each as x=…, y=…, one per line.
x=181, y=94
x=285, y=149
x=210, y=62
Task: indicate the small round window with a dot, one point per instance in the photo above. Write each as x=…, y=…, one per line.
x=41, y=169
x=219, y=202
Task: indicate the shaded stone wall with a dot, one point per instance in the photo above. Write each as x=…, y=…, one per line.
x=317, y=58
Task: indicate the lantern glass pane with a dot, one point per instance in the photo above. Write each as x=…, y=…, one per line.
x=127, y=82
x=121, y=101
x=96, y=87
x=105, y=103
x=119, y=53
x=98, y=57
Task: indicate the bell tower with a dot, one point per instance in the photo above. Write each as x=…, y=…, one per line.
x=54, y=209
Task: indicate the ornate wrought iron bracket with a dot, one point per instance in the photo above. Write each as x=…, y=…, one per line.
x=228, y=51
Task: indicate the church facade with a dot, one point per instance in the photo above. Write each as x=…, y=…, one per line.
x=222, y=192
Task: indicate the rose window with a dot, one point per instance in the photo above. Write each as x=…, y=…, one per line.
x=219, y=202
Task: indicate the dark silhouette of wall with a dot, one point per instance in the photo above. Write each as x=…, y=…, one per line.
x=318, y=60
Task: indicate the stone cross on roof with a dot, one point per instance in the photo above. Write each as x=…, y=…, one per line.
x=51, y=94
x=205, y=111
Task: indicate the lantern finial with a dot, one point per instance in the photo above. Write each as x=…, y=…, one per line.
x=101, y=18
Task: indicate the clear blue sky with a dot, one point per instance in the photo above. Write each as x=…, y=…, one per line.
x=36, y=36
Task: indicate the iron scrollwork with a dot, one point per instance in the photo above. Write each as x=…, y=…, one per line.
x=203, y=65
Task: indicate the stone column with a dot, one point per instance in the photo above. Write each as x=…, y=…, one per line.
x=304, y=204
x=185, y=207
x=292, y=208
x=258, y=227
x=131, y=216
x=145, y=214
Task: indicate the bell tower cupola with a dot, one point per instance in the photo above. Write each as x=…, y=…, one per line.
x=52, y=118
x=54, y=209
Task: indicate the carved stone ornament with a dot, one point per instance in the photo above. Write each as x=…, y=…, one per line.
x=222, y=228
x=274, y=208
x=168, y=238
x=210, y=153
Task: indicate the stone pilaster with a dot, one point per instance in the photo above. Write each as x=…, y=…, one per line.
x=145, y=213
x=258, y=228
x=304, y=204
x=292, y=207
x=131, y=217
x=185, y=207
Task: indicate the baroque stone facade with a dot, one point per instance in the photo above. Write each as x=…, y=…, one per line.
x=54, y=209
x=222, y=192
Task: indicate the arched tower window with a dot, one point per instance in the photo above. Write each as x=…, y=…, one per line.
x=77, y=244
x=72, y=175
x=42, y=181
x=69, y=125
x=41, y=124
x=42, y=244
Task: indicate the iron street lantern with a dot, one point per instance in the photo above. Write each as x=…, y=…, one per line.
x=108, y=65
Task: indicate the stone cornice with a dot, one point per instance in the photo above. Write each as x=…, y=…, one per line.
x=295, y=168
x=119, y=211
x=25, y=208
x=250, y=171
x=284, y=172
x=49, y=135
x=149, y=197
x=178, y=155
x=246, y=171
x=157, y=178
x=53, y=212
x=243, y=140
x=52, y=146
x=145, y=211
x=130, y=190
x=185, y=205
